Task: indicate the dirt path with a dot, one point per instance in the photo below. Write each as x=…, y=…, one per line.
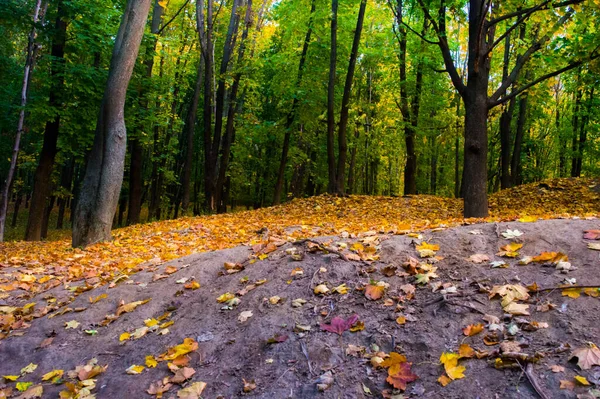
x=229, y=350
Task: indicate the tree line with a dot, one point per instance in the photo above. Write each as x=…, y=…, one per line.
x=116, y=112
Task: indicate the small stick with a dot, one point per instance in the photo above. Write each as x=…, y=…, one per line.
x=321, y=247
x=305, y=352
x=567, y=287
x=534, y=382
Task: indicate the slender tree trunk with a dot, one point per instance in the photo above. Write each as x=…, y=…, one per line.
x=104, y=173
x=331, y=100
x=46, y=217
x=343, y=126
x=457, y=190
x=15, y=215
x=66, y=180
x=190, y=129
x=291, y=116
x=29, y=60
x=575, y=134
x=208, y=54
x=42, y=181
x=583, y=131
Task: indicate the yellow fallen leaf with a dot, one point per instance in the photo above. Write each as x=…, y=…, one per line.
x=225, y=297
x=134, y=369
x=30, y=368
x=124, y=337
x=52, y=375
x=572, y=292
x=581, y=380
x=321, y=289
x=151, y=361
x=450, y=362
x=11, y=377
x=150, y=322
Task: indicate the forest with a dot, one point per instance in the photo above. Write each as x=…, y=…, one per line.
x=118, y=112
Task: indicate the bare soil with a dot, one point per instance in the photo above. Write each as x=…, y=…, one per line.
x=230, y=350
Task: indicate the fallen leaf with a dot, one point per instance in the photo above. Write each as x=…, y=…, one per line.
x=444, y=380
x=245, y=315
x=183, y=374
x=339, y=325
x=30, y=368
x=193, y=391
x=130, y=307
x=594, y=246
x=510, y=234
x=478, y=258
x=249, y=386
x=572, y=292
x=465, y=351
x=170, y=269
x=392, y=359
x=298, y=302
x=341, y=289
x=592, y=235
x=321, y=289
x=11, y=377
x=134, y=369
x=225, y=297
x=473, y=329
x=192, y=285
x=374, y=292
x=450, y=363
x=556, y=368
x=581, y=380
x=277, y=339
x=587, y=356
x=400, y=374
x=71, y=324
x=98, y=298
x=188, y=345
x=566, y=384
x=158, y=388
x=517, y=309
x=23, y=386
x=151, y=361
x=401, y=320
x=32, y=392
x=124, y=337
x=54, y=374
x=358, y=326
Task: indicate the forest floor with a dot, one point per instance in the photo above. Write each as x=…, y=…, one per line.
x=387, y=297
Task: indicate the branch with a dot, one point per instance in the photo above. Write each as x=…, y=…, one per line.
x=541, y=6
x=520, y=90
x=522, y=60
x=172, y=19
x=514, y=26
x=408, y=26
x=446, y=55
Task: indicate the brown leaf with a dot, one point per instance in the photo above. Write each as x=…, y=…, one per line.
x=473, y=329
x=374, y=292
x=400, y=374
x=183, y=374
x=587, y=356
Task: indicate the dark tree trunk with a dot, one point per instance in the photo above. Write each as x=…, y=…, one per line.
x=46, y=217
x=220, y=199
x=104, y=173
x=136, y=165
x=457, y=190
x=15, y=215
x=340, y=175
x=515, y=165
x=583, y=131
x=575, y=135
x=43, y=182
x=505, y=124
x=66, y=179
x=190, y=129
x=291, y=116
x=208, y=98
x=29, y=61
x=331, y=100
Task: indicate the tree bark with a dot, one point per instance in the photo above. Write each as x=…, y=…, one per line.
x=104, y=173
x=42, y=181
x=220, y=195
x=291, y=116
x=340, y=175
x=583, y=131
x=331, y=101
x=575, y=135
x=29, y=60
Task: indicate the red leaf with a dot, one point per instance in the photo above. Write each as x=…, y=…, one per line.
x=276, y=339
x=592, y=235
x=399, y=375
x=339, y=325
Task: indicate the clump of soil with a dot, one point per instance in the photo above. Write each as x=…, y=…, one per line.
x=231, y=351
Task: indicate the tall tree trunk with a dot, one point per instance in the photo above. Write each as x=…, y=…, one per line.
x=46, y=217
x=43, y=174
x=575, y=134
x=29, y=60
x=190, y=128
x=457, y=190
x=104, y=173
x=136, y=165
x=505, y=124
x=340, y=175
x=66, y=179
x=331, y=100
x=15, y=216
x=515, y=164
x=583, y=131
x=291, y=116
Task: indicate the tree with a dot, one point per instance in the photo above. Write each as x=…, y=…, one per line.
x=483, y=19
x=29, y=60
x=104, y=173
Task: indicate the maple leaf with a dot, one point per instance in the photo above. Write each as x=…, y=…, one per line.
x=53, y=375
x=339, y=325
x=374, y=292
x=510, y=250
x=427, y=250
x=572, y=292
x=394, y=358
x=517, y=309
x=465, y=351
x=71, y=324
x=509, y=234
x=225, y=297
x=130, y=307
x=151, y=361
x=245, y=315
x=158, y=388
x=400, y=374
x=31, y=392
x=450, y=362
x=134, y=369
x=473, y=329
x=193, y=391
x=587, y=356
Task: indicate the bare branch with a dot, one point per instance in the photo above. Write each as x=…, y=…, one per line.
x=172, y=19
x=545, y=5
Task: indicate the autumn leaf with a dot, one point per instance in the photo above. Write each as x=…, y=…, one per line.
x=30, y=368
x=193, y=391
x=23, y=386
x=73, y=324
x=517, y=309
x=340, y=289
x=400, y=374
x=245, y=315
x=158, y=388
x=231, y=267
x=53, y=375
x=339, y=325
x=592, y=235
x=478, y=258
x=188, y=345
x=170, y=269
x=581, y=380
x=321, y=289
x=394, y=358
x=374, y=292
x=249, y=386
x=183, y=374
x=130, y=307
x=11, y=377
x=124, y=337
x=426, y=250
x=550, y=257
x=277, y=339
x=450, y=363
x=225, y=297
x=134, y=369
x=473, y=329
x=192, y=285
x=151, y=361
x=572, y=292
x=31, y=392
x=98, y=298
x=510, y=250
x=510, y=234
x=465, y=351
x=587, y=356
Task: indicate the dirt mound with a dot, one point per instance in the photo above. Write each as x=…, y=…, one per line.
x=282, y=349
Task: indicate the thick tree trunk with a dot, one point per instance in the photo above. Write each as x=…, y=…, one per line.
x=340, y=175
x=42, y=181
x=15, y=215
x=46, y=217
x=208, y=103
x=331, y=100
x=29, y=60
x=66, y=180
x=475, y=153
x=291, y=116
x=104, y=173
